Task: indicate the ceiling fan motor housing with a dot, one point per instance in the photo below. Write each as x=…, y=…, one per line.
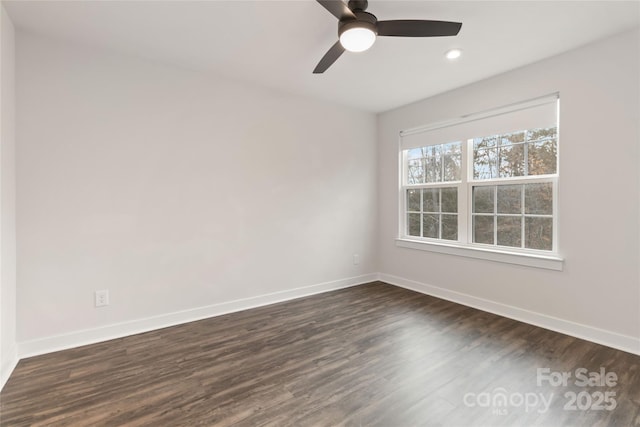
x=363, y=20
x=358, y=5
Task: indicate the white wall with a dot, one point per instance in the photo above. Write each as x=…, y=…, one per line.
x=8, y=351
x=598, y=196
x=177, y=190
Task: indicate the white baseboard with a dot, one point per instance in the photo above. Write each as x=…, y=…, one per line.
x=91, y=336
x=600, y=336
x=119, y=330
x=8, y=365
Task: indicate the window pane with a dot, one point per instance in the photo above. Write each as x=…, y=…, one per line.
x=450, y=200
x=485, y=163
x=510, y=199
x=510, y=231
x=413, y=224
x=542, y=133
x=543, y=153
x=450, y=227
x=485, y=160
x=431, y=200
x=415, y=172
x=538, y=233
x=543, y=157
x=430, y=151
x=538, y=199
x=433, y=163
x=430, y=226
x=452, y=155
x=414, y=153
x=413, y=200
x=486, y=142
x=511, y=160
x=513, y=138
x=483, y=199
x=483, y=229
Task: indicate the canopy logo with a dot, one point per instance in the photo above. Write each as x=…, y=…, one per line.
x=499, y=400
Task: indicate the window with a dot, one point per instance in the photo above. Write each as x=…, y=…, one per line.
x=513, y=215
x=487, y=181
x=433, y=212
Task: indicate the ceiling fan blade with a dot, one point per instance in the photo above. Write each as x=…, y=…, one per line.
x=337, y=9
x=329, y=58
x=418, y=28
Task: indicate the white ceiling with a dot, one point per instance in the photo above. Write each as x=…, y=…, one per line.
x=278, y=43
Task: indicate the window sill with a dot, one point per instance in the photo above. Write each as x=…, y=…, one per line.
x=550, y=262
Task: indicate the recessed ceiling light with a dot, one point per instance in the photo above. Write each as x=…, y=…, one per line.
x=454, y=54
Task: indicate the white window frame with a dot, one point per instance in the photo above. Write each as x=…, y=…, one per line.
x=465, y=246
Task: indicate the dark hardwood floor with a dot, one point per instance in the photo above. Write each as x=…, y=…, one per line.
x=369, y=355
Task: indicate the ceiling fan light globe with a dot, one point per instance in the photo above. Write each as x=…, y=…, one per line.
x=357, y=39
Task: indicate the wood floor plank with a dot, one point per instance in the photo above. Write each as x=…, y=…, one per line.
x=368, y=355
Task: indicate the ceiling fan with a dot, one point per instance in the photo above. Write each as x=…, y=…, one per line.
x=357, y=29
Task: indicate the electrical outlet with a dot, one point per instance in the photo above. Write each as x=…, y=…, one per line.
x=356, y=259
x=102, y=298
